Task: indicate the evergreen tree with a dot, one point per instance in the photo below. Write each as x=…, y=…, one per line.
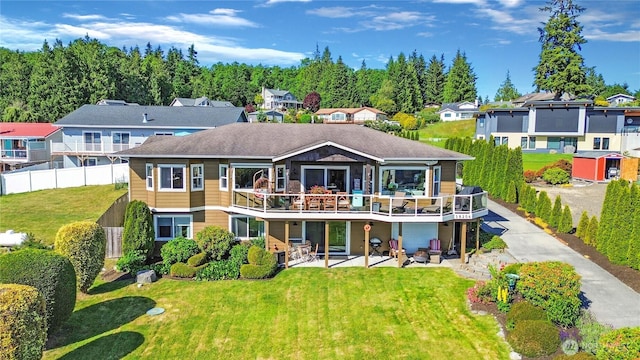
x=511, y=193
x=607, y=216
x=590, y=236
x=340, y=85
x=561, y=68
x=543, y=207
x=565, y=225
x=556, y=213
x=595, y=82
x=383, y=98
x=420, y=66
x=618, y=243
x=434, y=80
x=14, y=77
x=582, y=225
x=532, y=200
x=633, y=253
x=461, y=81
x=507, y=91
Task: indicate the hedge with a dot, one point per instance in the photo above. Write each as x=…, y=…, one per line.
x=138, y=232
x=84, y=242
x=179, y=249
x=51, y=273
x=23, y=327
x=215, y=241
x=262, y=264
x=620, y=344
x=533, y=338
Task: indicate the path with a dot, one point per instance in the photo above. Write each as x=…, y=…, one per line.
x=611, y=301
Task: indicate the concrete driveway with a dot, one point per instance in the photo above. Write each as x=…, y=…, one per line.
x=611, y=301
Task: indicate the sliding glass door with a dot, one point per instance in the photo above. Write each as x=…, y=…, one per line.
x=334, y=178
x=338, y=238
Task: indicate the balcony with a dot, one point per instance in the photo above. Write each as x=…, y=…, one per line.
x=83, y=148
x=410, y=208
x=33, y=152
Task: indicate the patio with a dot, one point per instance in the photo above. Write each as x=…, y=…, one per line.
x=336, y=261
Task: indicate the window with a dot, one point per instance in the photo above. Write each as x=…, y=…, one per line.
x=90, y=161
x=120, y=141
x=524, y=142
x=410, y=180
x=149, y=173
x=528, y=142
x=596, y=143
x=481, y=122
x=163, y=133
x=553, y=143
x=437, y=170
x=500, y=140
x=224, y=177
x=281, y=178
x=532, y=142
x=246, y=227
x=605, y=143
x=197, y=177
x=600, y=143
x=172, y=226
x=92, y=141
x=447, y=115
x=245, y=176
x=338, y=116
x=172, y=177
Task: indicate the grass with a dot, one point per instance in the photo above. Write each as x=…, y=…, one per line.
x=535, y=161
x=310, y=313
x=447, y=129
x=43, y=212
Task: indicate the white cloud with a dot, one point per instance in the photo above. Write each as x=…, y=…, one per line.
x=217, y=17
x=623, y=36
x=397, y=20
x=503, y=20
x=84, y=17
x=333, y=12
x=425, y=34
x=477, y=2
x=511, y=3
x=274, y=2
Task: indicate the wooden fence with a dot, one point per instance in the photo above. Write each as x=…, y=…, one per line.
x=112, y=221
x=114, y=242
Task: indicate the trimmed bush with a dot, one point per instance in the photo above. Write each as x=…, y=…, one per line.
x=183, y=270
x=582, y=225
x=554, y=286
x=84, y=242
x=179, y=249
x=219, y=270
x=23, y=327
x=592, y=232
x=543, y=206
x=533, y=338
x=619, y=344
x=565, y=225
x=138, y=232
x=590, y=331
x=556, y=176
x=197, y=259
x=132, y=262
x=496, y=242
x=525, y=310
x=215, y=241
x=556, y=212
x=262, y=264
x=530, y=176
x=51, y=273
x=512, y=268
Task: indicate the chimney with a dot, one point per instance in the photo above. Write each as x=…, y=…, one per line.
x=144, y=118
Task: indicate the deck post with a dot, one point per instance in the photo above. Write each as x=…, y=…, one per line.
x=286, y=244
x=366, y=245
x=326, y=244
x=463, y=241
x=477, y=235
x=400, y=257
x=266, y=235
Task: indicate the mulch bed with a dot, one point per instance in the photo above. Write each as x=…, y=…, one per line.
x=627, y=275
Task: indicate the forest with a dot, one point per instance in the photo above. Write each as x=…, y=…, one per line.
x=45, y=85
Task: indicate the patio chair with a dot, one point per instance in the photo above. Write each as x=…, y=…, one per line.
x=393, y=249
x=435, y=208
x=314, y=203
x=329, y=202
x=343, y=201
x=398, y=203
x=299, y=202
x=313, y=255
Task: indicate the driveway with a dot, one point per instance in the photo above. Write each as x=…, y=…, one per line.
x=611, y=301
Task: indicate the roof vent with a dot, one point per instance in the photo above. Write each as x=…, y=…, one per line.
x=144, y=118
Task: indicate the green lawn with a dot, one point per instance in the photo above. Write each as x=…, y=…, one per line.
x=308, y=313
x=447, y=129
x=43, y=212
x=535, y=161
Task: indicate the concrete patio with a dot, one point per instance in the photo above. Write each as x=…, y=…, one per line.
x=374, y=261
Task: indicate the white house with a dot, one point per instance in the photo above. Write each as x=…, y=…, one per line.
x=279, y=99
x=458, y=111
x=349, y=115
x=620, y=99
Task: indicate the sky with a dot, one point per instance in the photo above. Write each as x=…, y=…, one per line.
x=497, y=36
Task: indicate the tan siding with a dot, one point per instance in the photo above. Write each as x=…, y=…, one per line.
x=445, y=234
x=138, y=182
x=448, y=178
x=196, y=198
x=171, y=199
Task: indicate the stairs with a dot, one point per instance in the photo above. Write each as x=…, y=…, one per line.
x=478, y=266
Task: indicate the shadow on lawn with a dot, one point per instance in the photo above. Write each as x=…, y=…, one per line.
x=113, y=346
x=99, y=318
x=110, y=286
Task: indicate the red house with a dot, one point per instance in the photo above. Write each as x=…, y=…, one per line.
x=596, y=165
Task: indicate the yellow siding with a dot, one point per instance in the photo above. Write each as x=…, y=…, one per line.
x=379, y=229
x=138, y=182
x=196, y=198
x=448, y=177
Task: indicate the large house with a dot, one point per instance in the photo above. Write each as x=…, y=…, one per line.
x=24, y=144
x=201, y=101
x=93, y=133
x=277, y=99
x=293, y=183
x=458, y=111
x=349, y=115
x=620, y=99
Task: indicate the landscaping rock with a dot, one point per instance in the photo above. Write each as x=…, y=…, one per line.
x=146, y=276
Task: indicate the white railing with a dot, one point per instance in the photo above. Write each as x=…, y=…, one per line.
x=26, y=181
x=80, y=147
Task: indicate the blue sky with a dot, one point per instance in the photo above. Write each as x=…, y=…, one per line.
x=495, y=35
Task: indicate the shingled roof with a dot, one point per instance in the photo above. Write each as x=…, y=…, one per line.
x=182, y=117
x=277, y=141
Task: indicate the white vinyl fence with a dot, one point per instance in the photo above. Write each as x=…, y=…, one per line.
x=26, y=181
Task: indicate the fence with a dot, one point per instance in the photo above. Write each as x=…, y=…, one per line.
x=26, y=181
x=114, y=242
x=112, y=221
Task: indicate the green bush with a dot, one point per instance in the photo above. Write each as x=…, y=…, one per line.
x=262, y=264
x=578, y=356
x=556, y=213
x=179, y=249
x=219, y=270
x=183, y=270
x=32, y=242
x=554, y=286
x=582, y=225
x=138, y=232
x=533, y=338
x=525, y=310
x=556, y=176
x=23, y=327
x=496, y=242
x=132, y=262
x=543, y=206
x=619, y=344
x=258, y=241
x=51, y=273
x=512, y=268
x=590, y=331
x=590, y=236
x=215, y=241
x=84, y=242
x=565, y=225
x=197, y=259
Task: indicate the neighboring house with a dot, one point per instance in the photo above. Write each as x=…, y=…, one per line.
x=564, y=126
x=201, y=101
x=23, y=144
x=350, y=115
x=270, y=115
x=539, y=96
x=92, y=133
x=115, y=103
x=458, y=111
x=295, y=182
x=620, y=99
x=279, y=99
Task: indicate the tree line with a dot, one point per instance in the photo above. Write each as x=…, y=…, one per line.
x=45, y=85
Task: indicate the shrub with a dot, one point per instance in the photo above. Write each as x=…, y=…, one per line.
x=619, y=344
x=138, y=233
x=51, y=273
x=132, y=262
x=23, y=328
x=496, y=242
x=556, y=176
x=179, y=249
x=183, y=270
x=219, y=270
x=525, y=310
x=262, y=264
x=554, y=286
x=590, y=331
x=543, y=206
x=556, y=213
x=258, y=241
x=512, y=268
x=530, y=176
x=215, y=241
x=32, y=242
x=84, y=242
x=197, y=259
x=533, y=338
x=582, y=225
x=480, y=293
x=565, y=225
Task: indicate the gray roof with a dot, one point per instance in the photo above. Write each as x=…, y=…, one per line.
x=277, y=92
x=273, y=141
x=596, y=154
x=201, y=101
x=175, y=117
x=456, y=106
